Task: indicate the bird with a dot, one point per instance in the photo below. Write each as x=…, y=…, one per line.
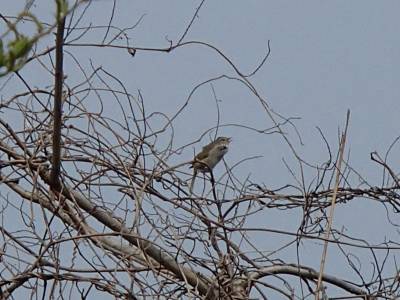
x=209, y=157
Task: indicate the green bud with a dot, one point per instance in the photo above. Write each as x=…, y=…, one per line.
x=19, y=47
x=62, y=7
x=2, y=57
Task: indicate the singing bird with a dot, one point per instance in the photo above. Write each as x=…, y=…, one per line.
x=209, y=157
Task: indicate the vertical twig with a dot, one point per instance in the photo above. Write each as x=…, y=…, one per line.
x=58, y=84
x=333, y=203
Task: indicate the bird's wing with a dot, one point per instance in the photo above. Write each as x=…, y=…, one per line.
x=208, y=146
x=199, y=160
x=202, y=155
x=205, y=151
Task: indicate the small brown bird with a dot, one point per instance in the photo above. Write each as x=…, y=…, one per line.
x=209, y=157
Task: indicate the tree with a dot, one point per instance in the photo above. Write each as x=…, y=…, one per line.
x=95, y=192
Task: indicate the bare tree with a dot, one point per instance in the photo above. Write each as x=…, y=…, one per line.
x=93, y=202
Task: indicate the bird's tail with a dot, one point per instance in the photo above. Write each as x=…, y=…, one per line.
x=192, y=181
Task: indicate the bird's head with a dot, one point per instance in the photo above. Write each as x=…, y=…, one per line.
x=223, y=140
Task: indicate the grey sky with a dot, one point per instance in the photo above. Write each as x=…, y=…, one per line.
x=326, y=57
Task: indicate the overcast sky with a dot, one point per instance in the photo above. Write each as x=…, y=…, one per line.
x=326, y=57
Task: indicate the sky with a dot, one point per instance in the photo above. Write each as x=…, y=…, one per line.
x=326, y=57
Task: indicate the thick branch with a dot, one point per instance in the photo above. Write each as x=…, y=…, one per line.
x=57, y=112
x=307, y=273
